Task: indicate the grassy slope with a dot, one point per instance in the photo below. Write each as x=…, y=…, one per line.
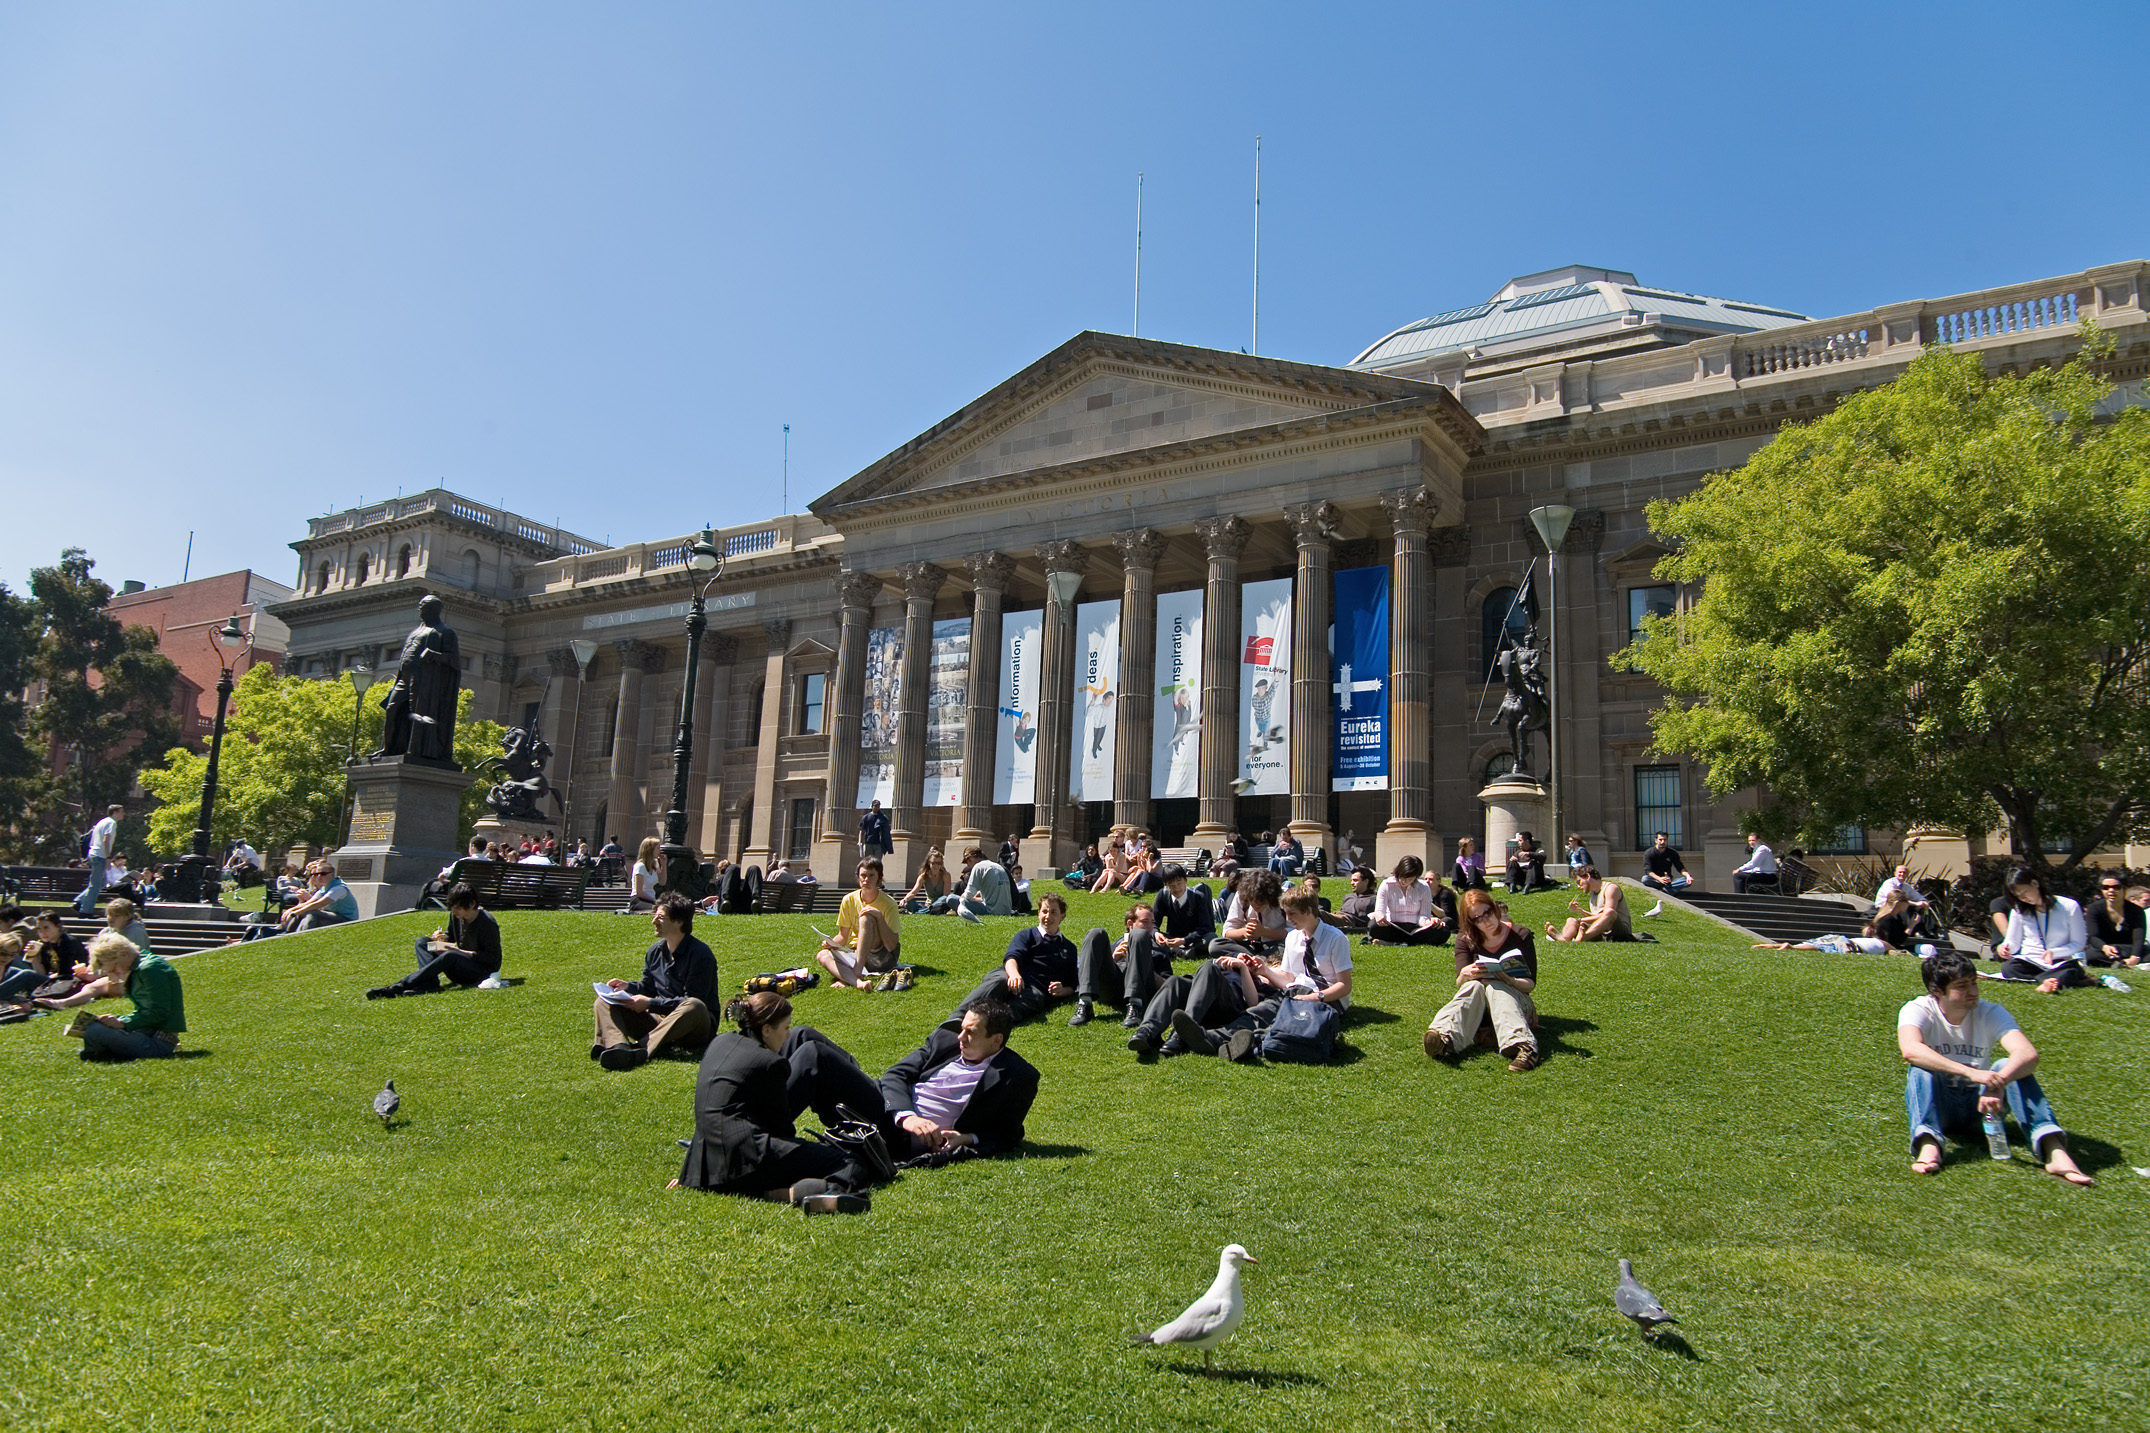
x=247, y=1246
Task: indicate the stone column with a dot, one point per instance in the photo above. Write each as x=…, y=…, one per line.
x=1410, y=827
x=703, y=788
x=761, y=842
x=1452, y=698
x=624, y=812
x=921, y=589
x=1313, y=594
x=837, y=853
x=1135, y=726
x=1224, y=538
x=1053, y=828
x=989, y=574
x=1582, y=658
x=563, y=703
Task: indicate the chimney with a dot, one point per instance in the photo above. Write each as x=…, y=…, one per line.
x=129, y=587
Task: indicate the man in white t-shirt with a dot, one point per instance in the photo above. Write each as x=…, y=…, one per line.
x=1316, y=966
x=1949, y=1036
x=104, y=841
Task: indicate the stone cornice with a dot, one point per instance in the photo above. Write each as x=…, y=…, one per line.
x=439, y=519
x=394, y=592
x=633, y=591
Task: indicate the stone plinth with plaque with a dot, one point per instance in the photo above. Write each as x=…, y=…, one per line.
x=404, y=817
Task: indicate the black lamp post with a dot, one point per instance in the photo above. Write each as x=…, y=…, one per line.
x=193, y=878
x=361, y=678
x=682, y=867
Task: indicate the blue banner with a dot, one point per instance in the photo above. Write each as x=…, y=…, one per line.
x=1359, y=669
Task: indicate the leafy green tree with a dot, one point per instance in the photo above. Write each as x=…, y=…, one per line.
x=18, y=643
x=1930, y=605
x=280, y=778
x=99, y=728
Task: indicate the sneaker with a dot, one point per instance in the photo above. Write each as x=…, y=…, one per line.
x=493, y=982
x=833, y=1203
x=623, y=1057
x=1523, y=1058
x=1133, y=1017
x=1243, y=1046
x=1144, y=1041
x=1083, y=1015
x=1190, y=1033
x=1436, y=1045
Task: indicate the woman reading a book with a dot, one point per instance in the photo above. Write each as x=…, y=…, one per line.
x=1496, y=970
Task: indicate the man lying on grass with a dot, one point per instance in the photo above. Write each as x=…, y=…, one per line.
x=1040, y=967
x=1948, y=1035
x=962, y=1089
x=670, y=1004
x=466, y=952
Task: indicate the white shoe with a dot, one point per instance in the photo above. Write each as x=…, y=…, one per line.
x=493, y=982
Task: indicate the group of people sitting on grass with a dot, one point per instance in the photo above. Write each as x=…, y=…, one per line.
x=43, y=966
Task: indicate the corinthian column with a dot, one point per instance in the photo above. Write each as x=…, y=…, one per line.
x=761, y=845
x=1313, y=526
x=1053, y=825
x=837, y=853
x=1410, y=829
x=1224, y=538
x=921, y=588
x=1136, y=724
x=624, y=800
x=705, y=779
x=989, y=574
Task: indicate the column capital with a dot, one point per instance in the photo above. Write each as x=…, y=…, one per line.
x=1063, y=556
x=562, y=662
x=1411, y=510
x=858, y=589
x=497, y=668
x=777, y=630
x=1224, y=537
x=1451, y=546
x=1140, y=548
x=637, y=653
x=990, y=571
x=720, y=650
x=922, y=581
x=1313, y=524
x=1588, y=529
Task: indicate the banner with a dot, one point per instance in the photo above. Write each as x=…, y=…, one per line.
x=1097, y=699
x=1015, y=776
x=1265, y=688
x=877, y=717
x=1359, y=659
x=1176, y=738
x=947, y=695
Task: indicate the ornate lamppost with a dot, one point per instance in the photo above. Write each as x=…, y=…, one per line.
x=191, y=878
x=361, y=678
x=682, y=866
x=1552, y=524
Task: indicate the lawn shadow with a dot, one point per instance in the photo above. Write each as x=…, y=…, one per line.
x=205, y=1054
x=2094, y=1155
x=1259, y=1377
x=1369, y=1015
x=1670, y=1342
x=1553, y=1032
x=1054, y=1151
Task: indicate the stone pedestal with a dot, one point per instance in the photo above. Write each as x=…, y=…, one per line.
x=1513, y=803
x=492, y=828
x=404, y=816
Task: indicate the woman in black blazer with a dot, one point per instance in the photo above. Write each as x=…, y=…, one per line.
x=744, y=1142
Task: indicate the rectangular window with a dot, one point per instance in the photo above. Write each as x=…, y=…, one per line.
x=813, y=688
x=1657, y=805
x=1646, y=602
x=802, y=829
x=1848, y=841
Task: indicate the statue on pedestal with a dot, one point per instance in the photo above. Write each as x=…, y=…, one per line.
x=421, y=704
x=1525, y=708
x=521, y=793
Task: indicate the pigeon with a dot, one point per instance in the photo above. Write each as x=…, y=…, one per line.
x=1656, y=910
x=968, y=914
x=1638, y=1303
x=386, y=1103
x=1210, y=1319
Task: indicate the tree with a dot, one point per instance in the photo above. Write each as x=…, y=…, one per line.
x=280, y=777
x=18, y=643
x=1931, y=605
x=96, y=728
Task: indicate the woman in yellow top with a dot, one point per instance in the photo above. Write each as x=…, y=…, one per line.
x=866, y=941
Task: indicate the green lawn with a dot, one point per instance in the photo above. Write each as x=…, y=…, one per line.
x=232, y=1240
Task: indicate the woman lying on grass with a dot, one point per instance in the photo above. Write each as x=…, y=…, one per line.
x=1948, y=1036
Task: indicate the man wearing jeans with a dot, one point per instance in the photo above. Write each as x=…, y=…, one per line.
x=1662, y=868
x=104, y=840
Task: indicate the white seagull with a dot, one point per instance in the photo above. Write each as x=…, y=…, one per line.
x=1210, y=1319
x=1656, y=910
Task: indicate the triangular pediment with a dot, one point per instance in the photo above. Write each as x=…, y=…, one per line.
x=1637, y=559
x=1102, y=395
x=811, y=650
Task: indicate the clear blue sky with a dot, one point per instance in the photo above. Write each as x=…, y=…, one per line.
x=586, y=260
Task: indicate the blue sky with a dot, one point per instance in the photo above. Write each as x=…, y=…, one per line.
x=258, y=261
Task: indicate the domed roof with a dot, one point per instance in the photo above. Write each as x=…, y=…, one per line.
x=1562, y=307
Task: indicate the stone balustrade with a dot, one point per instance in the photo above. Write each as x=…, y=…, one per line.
x=776, y=536
x=441, y=500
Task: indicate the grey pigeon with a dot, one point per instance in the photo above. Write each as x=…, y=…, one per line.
x=1638, y=1303
x=1210, y=1319
x=386, y=1103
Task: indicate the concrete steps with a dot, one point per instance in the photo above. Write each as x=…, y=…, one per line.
x=1773, y=917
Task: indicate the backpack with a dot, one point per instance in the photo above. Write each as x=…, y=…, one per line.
x=1304, y=1033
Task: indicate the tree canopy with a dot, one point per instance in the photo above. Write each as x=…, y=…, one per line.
x=1930, y=605
x=280, y=777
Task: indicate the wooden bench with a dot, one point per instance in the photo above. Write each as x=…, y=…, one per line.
x=503, y=885
x=780, y=898
x=1194, y=858
x=46, y=883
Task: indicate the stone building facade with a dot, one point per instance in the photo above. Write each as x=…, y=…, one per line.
x=935, y=627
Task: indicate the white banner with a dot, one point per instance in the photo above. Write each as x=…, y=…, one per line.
x=1097, y=692
x=1176, y=739
x=1015, y=777
x=877, y=717
x=1265, y=688
x=947, y=694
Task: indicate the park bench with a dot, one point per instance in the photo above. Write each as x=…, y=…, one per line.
x=506, y=886
x=47, y=883
x=1194, y=858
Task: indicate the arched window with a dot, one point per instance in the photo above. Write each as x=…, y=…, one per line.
x=1502, y=618
x=322, y=586
x=365, y=565
x=403, y=561
x=472, y=567
x=1499, y=766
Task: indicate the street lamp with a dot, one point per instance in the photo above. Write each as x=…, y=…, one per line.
x=195, y=883
x=1552, y=524
x=682, y=867
x=584, y=649
x=361, y=678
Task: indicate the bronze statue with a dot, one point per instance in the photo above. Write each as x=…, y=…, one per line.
x=1525, y=708
x=523, y=790
x=421, y=704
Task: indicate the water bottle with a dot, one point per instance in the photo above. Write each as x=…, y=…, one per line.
x=1996, y=1136
x=2114, y=982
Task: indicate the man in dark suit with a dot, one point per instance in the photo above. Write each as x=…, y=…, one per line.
x=1186, y=919
x=963, y=1089
x=670, y=1005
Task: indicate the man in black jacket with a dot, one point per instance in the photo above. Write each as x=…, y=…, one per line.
x=466, y=952
x=1186, y=919
x=670, y=1004
x=962, y=1089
